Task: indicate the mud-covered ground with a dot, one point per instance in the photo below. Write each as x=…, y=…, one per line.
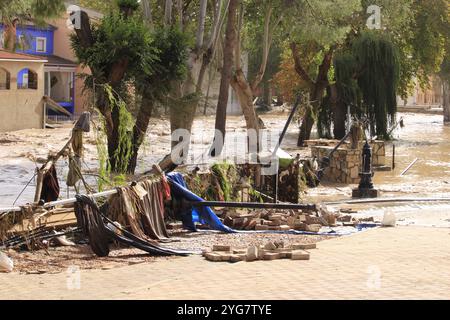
x=423, y=137
x=59, y=259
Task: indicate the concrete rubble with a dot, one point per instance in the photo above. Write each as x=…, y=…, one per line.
x=260, y=220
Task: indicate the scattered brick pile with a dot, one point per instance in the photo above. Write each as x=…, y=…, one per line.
x=278, y=221
x=271, y=251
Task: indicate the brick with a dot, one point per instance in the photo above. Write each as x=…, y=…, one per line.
x=213, y=256
x=304, y=246
x=252, y=253
x=301, y=227
x=220, y=247
x=238, y=257
x=271, y=256
x=251, y=225
x=313, y=227
x=300, y=255
x=226, y=257
x=284, y=253
x=270, y=246
x=285, y=228
x=291, y=221
x=274, y=228
x=261, y=227
x=275, y=223
x=239, y=251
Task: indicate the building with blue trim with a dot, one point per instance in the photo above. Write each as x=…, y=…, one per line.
x=59, y=72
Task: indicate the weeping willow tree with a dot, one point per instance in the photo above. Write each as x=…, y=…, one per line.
x=367, y=78
x=378, y=80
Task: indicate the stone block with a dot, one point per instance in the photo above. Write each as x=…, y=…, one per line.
x=213, y=256
x=270, y=246
x=260, y=227
x=251, y=226
x=271, y=256
x=275, y=223
x=313, y=227
x=220, y=247
x=238, y=257
x=300, y=227
x=304, y=246
x=252, y=253
x=299, y=255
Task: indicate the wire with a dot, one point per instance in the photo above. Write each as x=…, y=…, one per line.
x=23, y=190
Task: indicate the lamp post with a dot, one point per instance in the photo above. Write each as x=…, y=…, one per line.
x=366, y=188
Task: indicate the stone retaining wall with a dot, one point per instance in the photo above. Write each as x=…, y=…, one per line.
x=346, y=163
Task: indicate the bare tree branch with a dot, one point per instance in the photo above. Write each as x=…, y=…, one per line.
x=299, y=68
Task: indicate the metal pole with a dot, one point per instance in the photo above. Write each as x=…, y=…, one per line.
x=280, y=141
x=254, y=205
x=393, y=156
x=57, y=203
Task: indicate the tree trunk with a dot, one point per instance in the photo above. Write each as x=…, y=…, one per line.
x=267, y=94
x=168, y=12
x=245, y=97
x=140, y=129
x=339, y=113
x=182, y=117
x=317, y=89
x=446, y=102
x=227, y=69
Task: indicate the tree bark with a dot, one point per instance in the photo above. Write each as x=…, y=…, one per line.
x=140, y=129
x=168, y=13
x=339, y=113
x=227, y=70
x=317, y=89
x=446, y=101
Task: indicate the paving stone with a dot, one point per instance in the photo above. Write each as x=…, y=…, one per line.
x=271, y=256
x=270, y=246
x=299, y=255
x=304, y=246
x=220, y=247
x=213, y=256
x=238, y=257
x=313, y=227
x=275, y=223
x=252, y=253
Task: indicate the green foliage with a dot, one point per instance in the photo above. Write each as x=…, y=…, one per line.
x=367, y=77
x=117, y=38
x=38, y=10
x=128, y=4
x=124, y=149
x=104, y=168
x=103, y=6
x=172, y=51
x=223, y=172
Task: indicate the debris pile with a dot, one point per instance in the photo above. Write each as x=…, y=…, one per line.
x=301, y=220
x=271, y=251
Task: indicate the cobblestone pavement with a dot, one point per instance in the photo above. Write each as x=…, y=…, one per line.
x=389, y=263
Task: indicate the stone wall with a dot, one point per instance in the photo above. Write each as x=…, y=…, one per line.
x=346, y=163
